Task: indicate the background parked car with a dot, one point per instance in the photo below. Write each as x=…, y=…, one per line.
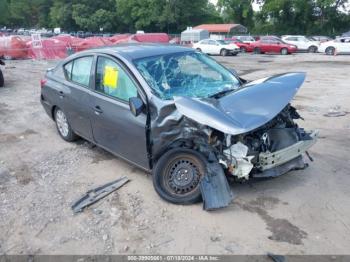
x=320, y=38
x=244, y=47
x=244, y=38
x=272, y=45
x=302, y=42
x=216, y=47
x=338, y=46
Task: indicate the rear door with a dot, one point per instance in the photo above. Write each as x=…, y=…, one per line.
x=114, y=126
x=76, y=94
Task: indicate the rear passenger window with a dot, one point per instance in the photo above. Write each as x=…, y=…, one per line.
x=79, y=70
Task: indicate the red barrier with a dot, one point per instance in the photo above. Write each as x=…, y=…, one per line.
x=92, y=42
x=151, y=38
x=116, y=39
x=12, y=47
x=51, y=49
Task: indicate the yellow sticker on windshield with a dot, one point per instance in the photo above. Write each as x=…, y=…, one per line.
x=110, y=78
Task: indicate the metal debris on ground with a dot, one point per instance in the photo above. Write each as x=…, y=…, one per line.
x=336, y=112
x=93, y=195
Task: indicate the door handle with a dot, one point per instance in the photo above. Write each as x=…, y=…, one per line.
x=98, y=110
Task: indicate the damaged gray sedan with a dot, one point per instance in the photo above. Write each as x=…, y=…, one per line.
x=181, y=115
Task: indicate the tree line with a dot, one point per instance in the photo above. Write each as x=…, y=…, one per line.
x=326, y=17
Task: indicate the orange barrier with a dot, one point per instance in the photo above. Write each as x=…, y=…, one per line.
x=13, y=47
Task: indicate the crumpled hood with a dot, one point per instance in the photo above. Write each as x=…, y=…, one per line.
x=245, y=109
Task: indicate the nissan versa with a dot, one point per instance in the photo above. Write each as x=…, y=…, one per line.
x=176, y=112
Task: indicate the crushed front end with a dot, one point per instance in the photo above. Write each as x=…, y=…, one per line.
x=268, y=151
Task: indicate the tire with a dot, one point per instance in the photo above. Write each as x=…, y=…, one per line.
x=172, y=172
x=2, y=82
x=199, y=50
x=223, y=52
x=63, y=127
x=243, y=49
x=7, y=57
x=312, y=49
x=234, y=54
x=284, y=51
x=330, y=50
x=257, y=50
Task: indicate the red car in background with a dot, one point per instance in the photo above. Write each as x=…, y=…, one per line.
x=244, y=47
x=272, y=45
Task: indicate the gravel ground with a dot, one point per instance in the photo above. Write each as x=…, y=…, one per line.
x=303, y=212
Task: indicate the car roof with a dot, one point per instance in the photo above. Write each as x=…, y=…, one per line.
x=136, y=51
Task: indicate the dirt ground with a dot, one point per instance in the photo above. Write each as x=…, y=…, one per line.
x=303, y=212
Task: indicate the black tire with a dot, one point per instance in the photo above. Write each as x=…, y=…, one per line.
x=172, y=172
x=223, y=52
x=199, y=50
x=2, y=82
x=243, y=49
x=312, y=49
x=257, y=50
x=330, y=50
x=68, y=136
x=284, y=51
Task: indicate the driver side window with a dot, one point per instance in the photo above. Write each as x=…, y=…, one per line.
x=112, y=80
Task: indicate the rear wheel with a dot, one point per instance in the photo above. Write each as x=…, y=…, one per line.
x=312, y=49
x=257, y=50
x=284, y=51
x=223, y=52
x=330, y=50
x=63, y=127
x=243, y=49
x=1, y=79
x=177, y=175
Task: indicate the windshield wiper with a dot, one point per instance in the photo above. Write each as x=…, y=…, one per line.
x=222, y=93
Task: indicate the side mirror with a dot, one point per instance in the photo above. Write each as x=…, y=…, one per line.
x=136, y=105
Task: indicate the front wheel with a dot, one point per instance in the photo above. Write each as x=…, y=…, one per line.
x=284, y=51
x=312, y=49
x=257, y=50
x=177, y=175
x=223, y=52
x=199, y=50
x=243, y=49
x=63, y=127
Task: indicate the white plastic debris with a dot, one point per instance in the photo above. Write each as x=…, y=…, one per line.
x=243, y=164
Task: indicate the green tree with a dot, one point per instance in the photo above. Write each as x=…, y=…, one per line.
x=237, y=11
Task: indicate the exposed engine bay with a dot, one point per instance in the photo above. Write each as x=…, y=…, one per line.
x=253, y=153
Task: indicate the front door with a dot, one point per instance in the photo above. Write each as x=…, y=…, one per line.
x=114, y=126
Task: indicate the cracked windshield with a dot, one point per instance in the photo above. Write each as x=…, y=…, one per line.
x=190, y=74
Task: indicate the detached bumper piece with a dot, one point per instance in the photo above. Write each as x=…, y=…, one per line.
x=280, y=162
x=92, y=196
x=216, y=192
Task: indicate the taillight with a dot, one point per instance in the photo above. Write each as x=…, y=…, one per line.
x=43, y=82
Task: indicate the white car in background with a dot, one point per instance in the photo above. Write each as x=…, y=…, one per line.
x=338, y=46
x=302, y=42
x=216, y=47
